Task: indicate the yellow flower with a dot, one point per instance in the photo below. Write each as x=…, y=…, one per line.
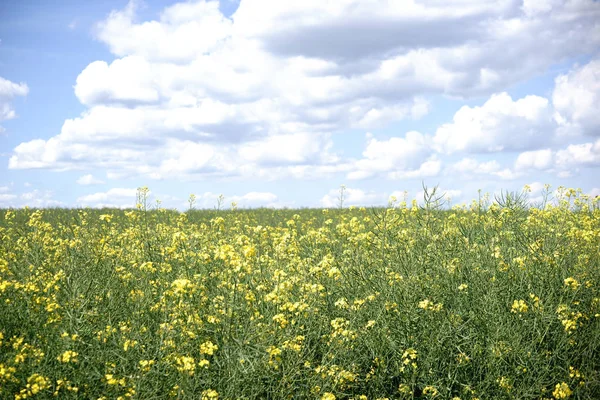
x=6, y=372
x=68, y=356
x=106, y=217
x=328, y=396
x=129, y=344
x=210, y=394
x=280, y=319
x=430, y=391
x=562, y=391
x=294, y=344
x=462, y=358
x=519, y=307
x=504, y=383
x=186, y=364
x=430, y=305
x=404, y=389
x=36, y=383
x=180, y=286
x=146, y=365
x=334, y=273
x=536, y=301
x=208, y=348
x=571, y=283
x=111, y=380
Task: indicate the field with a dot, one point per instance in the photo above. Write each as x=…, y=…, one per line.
x=491, y=300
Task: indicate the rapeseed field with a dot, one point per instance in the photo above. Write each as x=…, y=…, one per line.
x=492, y=300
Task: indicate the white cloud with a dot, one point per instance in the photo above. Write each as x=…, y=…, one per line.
x=538, y=159
x=128, y=80
x=297, y=148
x=427, y=169
x=456, y=47
x=168, y=39
x=499, y=124
x=533, y=8
x=256, y=199
x=444, y=195
x=564, y=162
x=36, y=198
x=248, y=200
x=536, y=194
x=376, y=117
x=259, y=197
x=6, y=198
x=89, y=180
x=352, y=197
x=509, y=174
x=504, y=124
x=8, y=91
x=260, y=93
x=586, y=154
x=576, y=98
x=536, y=188
x=115, y=197
x=396, y=157
x=471, y=166
x=470, y=169
x=39, y=198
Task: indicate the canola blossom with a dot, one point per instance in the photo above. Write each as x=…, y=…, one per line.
x=482, y=301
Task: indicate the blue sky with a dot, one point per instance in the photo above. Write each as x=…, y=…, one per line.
x=277, y=104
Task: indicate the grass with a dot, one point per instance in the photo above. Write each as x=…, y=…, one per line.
x=488, y=301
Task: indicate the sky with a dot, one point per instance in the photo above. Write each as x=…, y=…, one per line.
x=277, y=104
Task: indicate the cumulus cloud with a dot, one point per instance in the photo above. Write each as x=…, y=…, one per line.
x=428, y=168
x=576, y=97
x=194, y=94
x=298, y=148
x=6, y=199
x=35, y=198
x=499, y=124
x=352, y=197
x=127, y=81
x=531, y=123
x=585, y=154
x=396, y=157
x=564, y=162
x=456, y=47
x=472, y=166
x=444, y=195
x=115, y=197
x=536, y=193
x=167, y=39
x=89, y=180
x=248, y=200
x=8, y=91
x=538, y=159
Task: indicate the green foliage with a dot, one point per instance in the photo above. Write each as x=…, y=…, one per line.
x=496, y=301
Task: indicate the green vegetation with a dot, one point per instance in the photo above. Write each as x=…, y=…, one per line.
x=491, y=301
